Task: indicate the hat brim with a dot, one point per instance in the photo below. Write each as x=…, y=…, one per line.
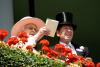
x=19, y=26
x=73, y=25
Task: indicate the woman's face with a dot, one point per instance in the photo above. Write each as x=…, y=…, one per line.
x=65, y=33
x=31, y=29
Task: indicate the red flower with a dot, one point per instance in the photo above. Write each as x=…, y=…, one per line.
x=23, y=39
x=22, y=34
x=66, y=51
x=72, y=57
x=12, y=40
x=59, y=47
x=82, y=59
x=3, y=33
x=46, y=49
x=44, y=42
x=28, y=47
x=49, y=55
x=89, y=64
x=98, y=64
x=52, y=54
x=63, y=54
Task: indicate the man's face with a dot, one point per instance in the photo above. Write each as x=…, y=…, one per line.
x=65, y=33
x=31, y=29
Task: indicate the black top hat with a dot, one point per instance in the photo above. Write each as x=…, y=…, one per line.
x=65, y=18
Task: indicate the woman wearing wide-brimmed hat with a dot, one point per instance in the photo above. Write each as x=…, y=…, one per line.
x=33, y=26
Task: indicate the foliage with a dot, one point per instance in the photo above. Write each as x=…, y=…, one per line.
x=15, y=57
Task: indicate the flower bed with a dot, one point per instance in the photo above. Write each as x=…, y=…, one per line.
x=15, y=57
x=15, y=53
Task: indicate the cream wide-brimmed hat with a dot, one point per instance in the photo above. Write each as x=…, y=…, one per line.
x=19, y=26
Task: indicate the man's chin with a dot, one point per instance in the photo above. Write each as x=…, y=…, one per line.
x=67, y=38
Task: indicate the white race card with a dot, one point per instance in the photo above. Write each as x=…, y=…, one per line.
x=52, y=26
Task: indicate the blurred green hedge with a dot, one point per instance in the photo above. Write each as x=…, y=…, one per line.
x=14, y=57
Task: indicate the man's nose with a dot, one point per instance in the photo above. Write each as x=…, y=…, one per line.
x=69, y=32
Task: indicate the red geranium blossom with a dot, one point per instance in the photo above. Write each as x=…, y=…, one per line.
x=44, y=42
x=22, y=34
x=12, y=40
x=89, y=64
x=59, y=47
x=49, y=55
x=82, y=59
x=23, y=39
x=98, y=64
x=3, y=33
x=46, y=49
x=72, y=57
x=52, y=53
x=28, y=47
x=65, y=52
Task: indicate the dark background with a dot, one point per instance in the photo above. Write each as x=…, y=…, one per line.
x=86, y=15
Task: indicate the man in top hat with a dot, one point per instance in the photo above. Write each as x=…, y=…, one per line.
x=34, y=27
x=65, y=31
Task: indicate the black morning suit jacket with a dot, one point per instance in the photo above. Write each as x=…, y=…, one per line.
x=85, y=53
